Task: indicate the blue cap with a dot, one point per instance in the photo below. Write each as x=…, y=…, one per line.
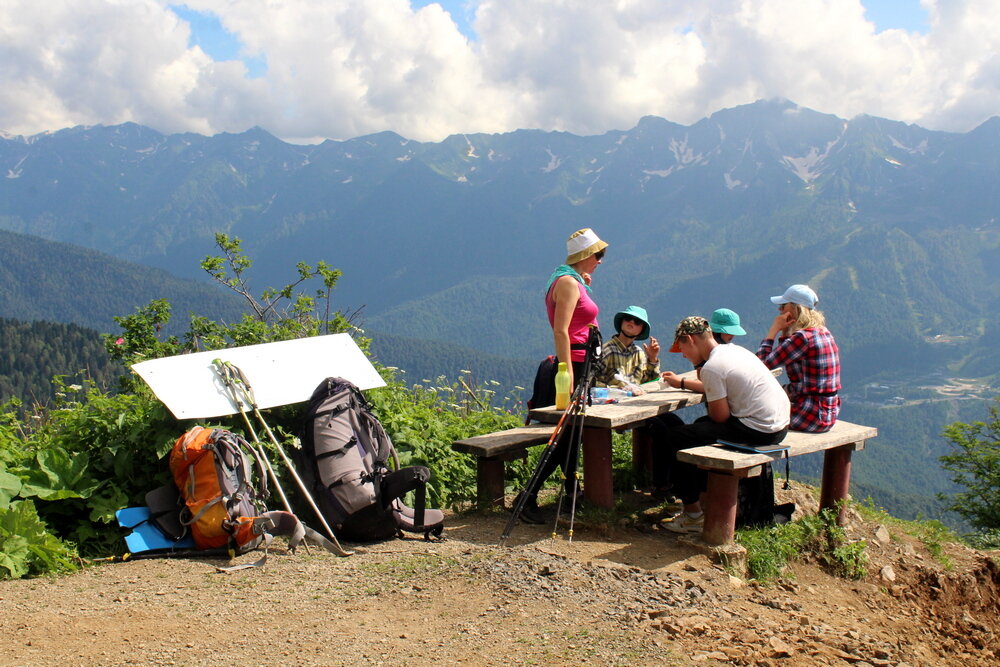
x=797, y=294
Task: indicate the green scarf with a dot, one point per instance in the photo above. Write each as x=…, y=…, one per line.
x=565, y=270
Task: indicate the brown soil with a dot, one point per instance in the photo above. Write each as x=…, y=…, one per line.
x=622, y=595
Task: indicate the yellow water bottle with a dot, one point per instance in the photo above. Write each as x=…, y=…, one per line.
x=562, y=386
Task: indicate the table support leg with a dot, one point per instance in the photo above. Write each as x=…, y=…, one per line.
x=489, y=482
x=597, y=474
x=720, y=509
x=836, y=479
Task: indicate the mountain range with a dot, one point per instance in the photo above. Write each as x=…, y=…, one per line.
x=894, y=225
x=445, y=246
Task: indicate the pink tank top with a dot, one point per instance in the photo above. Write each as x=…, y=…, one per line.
x=584, y=315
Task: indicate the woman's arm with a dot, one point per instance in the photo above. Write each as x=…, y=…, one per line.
x=787, y=351
x=566, y=294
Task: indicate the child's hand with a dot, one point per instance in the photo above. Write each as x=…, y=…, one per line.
x=652, y=349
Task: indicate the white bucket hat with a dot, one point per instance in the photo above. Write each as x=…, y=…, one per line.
x=582, y=244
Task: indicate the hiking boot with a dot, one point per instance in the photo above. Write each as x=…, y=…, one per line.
x=684, y=523
x=568, y=499
x=531, y=512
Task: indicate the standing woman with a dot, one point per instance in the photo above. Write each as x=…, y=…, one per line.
x=570, y=308
x=799, y=340
x=571, y=312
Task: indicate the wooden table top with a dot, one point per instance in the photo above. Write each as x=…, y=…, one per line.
x=659, y=399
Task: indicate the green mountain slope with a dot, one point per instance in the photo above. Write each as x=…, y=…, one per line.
x=45, y=280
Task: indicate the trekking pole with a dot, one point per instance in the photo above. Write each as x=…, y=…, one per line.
x=241, y=378
x=536, y=476
x=226, y=375
x=576, y=436
x=572, y=453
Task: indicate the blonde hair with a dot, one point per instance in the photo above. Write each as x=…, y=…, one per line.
x=806, y=318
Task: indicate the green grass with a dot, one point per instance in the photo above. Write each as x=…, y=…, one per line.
x=932, y=533
x=772, y=548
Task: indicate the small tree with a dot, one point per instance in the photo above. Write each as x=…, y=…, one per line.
x=975, y=465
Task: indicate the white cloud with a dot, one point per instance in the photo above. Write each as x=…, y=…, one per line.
x=340, y=68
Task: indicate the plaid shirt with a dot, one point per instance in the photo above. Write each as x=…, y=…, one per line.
x=629, y=361
x=812, y=362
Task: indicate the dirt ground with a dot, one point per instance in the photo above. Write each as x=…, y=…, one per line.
x=629, y=594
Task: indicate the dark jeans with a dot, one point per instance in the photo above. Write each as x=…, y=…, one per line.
x=566, y=445
x=690, y=480
x=663, y=460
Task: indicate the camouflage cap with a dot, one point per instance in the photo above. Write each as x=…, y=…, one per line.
x=689, y=326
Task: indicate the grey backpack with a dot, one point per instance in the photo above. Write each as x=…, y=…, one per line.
x=349, y=461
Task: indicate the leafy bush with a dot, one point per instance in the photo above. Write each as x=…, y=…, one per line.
x=975, y=466
x=65, y=469
x=424, y=419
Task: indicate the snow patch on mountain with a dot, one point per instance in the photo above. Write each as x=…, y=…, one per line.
x=554, y=162
x=919, y=149
x=683, y=153
x=471, y=152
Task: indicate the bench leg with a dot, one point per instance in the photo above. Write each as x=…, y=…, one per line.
x=642, y=456
x=836, y=479
x=720, y=509
x=489, y=482
x=597, y=475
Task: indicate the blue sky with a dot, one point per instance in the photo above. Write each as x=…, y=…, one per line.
x=905, y=14
x=306, y=70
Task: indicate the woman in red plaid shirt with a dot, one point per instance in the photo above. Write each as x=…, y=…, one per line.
x=799, y=340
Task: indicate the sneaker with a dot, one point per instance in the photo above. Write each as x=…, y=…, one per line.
x=678, y=513
x=685, y=523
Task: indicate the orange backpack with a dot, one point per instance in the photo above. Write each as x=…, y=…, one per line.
x=215, y=479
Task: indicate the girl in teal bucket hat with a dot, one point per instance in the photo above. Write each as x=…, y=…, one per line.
x=623, y=357
x=725, y=325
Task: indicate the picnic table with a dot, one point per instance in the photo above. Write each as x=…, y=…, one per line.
x=600, y=421
x=725, y=466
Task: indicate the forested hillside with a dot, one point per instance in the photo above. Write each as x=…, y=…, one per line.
x=46, y=280
x=426, y=360
x=32, y=353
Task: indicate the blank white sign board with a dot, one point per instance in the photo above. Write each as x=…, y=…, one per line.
x=279, y=373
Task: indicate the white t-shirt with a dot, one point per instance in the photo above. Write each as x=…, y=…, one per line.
x=754, y=395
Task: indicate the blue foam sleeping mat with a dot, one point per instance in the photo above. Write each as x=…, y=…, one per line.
x=145, y=536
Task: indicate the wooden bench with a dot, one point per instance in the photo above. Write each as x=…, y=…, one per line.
x=726, y=466
x=492, y=450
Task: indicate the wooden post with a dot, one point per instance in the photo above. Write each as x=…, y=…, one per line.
x=642, y=456
x=720, y=508
x=597, y=474
x=836, y=479
x=489, y=482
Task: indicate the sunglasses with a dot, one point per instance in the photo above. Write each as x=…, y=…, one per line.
x=633, y=320
x=599, y=255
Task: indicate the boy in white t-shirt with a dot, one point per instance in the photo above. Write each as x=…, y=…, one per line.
x=745, y=404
